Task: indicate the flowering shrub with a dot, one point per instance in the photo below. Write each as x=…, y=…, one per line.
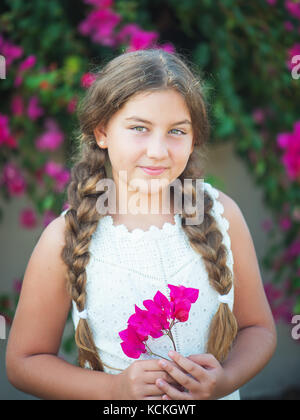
x=249, y=85
x=157, y=320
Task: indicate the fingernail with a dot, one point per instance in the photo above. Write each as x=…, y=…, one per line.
x=171, y=353
x=162, y=363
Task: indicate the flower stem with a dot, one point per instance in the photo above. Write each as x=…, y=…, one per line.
x=154, y=354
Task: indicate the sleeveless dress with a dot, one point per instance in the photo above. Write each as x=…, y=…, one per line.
x=125, y=268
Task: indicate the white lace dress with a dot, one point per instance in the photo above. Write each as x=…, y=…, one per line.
x=126, y=268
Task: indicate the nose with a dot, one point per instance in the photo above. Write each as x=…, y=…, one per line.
x=157, y=148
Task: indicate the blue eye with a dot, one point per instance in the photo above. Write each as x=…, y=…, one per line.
x=176, y=129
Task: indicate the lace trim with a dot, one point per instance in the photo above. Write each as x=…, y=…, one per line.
x=122, y=229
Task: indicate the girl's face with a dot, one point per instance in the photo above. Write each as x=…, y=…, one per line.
x=151, y=129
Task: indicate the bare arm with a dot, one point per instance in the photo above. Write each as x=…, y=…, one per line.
x=32, y=363
x=257, y=339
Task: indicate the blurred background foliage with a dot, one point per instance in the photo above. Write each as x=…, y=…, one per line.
x=244, y=52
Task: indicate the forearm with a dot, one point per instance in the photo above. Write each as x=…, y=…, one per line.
x=252, y=350
x=47, y=376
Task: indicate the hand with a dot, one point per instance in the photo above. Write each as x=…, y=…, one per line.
x=201, y=375
x=137, y=382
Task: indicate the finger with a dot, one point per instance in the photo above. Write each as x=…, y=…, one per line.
x=206, y=360
x=180, y=377
x=153, y=397
x=151, y=390
x=172, y=392
x=194, y=369
x=150, y=377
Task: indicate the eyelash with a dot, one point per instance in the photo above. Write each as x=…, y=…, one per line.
x=140, y=126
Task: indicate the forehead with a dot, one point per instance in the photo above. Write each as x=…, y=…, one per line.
x=159, y=105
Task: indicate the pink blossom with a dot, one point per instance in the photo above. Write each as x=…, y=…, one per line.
x=17, y=285
x=34, y=110
x=27, y=63
x=10, y=51
x=181, y=292
x=100, y=3
x=292, y=52
x=290, y=142
x=132, y=344
x=293, y=8
x=136, y=37
x=71, y=107
x=58, y=173
x=18, y=81
x=284, y=311
x=48, y=216
x=288, y=26
x=285, y=223
x=17, y=105
x=87, y=79
x=161, y=308
x=52, y=138
x=100, y=25
x=259, y=115
x=293, y=251
x=65, y=206
x=13, y=179
x=145, y=323
x=168, y=47
x=5, y=136
x=28, y=218
x=272, y=293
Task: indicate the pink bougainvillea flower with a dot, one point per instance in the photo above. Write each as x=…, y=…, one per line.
x=100, y=25
x=27, y=63
x=145, y=323
x=132, y=344
x=71, y=107
x=181, y=292
x=28, y=218
x=137, y=38
x=293, y=7
x=48, y=216
x=272, y=293
x=293, y=251
x=292, y=52
x=160, y=307
x=13, y=179
x=60, y=174
x=259, y=115
x=10, y=51
x=87, y=79
x=5, y=136
x=17, y=105
x=52, y=138
x=17, y=285
x=288, y=26
x=285, y=223
x=34, y=110
x=100, y=3
x=290, y=142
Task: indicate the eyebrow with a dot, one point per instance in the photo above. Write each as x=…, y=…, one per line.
x=149, y=122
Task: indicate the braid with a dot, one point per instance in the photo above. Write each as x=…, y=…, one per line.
x=206, y=239
x=81, y=222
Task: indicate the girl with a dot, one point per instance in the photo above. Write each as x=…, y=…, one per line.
x=145, y=109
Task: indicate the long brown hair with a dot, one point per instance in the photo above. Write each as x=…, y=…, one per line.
x=118, y=80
